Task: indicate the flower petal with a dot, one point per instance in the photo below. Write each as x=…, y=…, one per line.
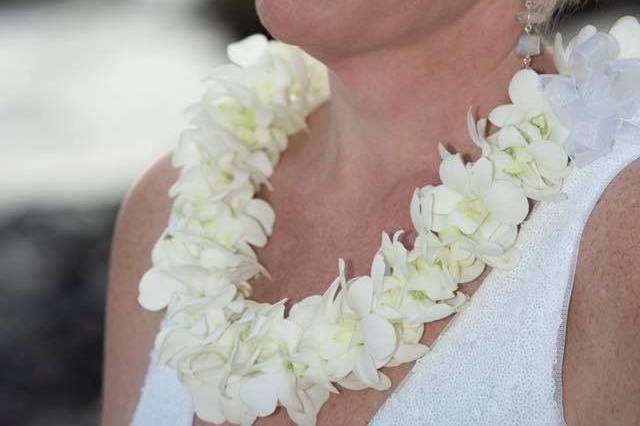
x=248, y=51
x=481, y=176
x=509, y=137
x=287, y=392
x=259, y=393
x=453, y=173
x=626, y=31
x=261, y=162
x=505, y=115
x=470, y=273
x=156, y=289
x=549, y=156
x=365, y=368
x=378, y=269
x=465, y=222
x=408, y=353
x=360, y=295
x=312, y=400
x=431, y=313
x=507, y=203
x=444, y=199
x=262, y=211
x=560, y=56
x=380, y=337
x=205, y=399
x=252, y=231
x=505, y=261
x=525, y=90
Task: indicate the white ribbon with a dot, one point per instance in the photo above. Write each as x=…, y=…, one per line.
x=599, y=102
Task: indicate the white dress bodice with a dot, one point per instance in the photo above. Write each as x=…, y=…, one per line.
x=499, y=362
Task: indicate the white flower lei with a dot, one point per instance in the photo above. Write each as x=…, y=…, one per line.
x=241, y=359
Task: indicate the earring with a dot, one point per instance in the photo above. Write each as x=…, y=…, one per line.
x=528, y=44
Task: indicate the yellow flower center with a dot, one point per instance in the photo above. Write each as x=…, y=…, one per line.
x=294, y=92
x=473, y=208
x=242, y=122
x=541, y=122
x=222, y=179
x=346, y=328
x=514, y=167
x=418, y=295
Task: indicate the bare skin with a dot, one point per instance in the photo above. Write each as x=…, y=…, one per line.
x=352, y=181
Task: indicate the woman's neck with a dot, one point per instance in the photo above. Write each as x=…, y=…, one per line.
x=390, y=107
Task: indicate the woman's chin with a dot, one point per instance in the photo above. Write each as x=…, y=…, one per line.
x=286, y=20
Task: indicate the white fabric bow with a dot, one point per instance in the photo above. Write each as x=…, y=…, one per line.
x=599, y=101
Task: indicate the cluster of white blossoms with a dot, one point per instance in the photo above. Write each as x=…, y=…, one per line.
x=241, y=359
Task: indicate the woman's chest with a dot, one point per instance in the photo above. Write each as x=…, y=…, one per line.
x=312, y=233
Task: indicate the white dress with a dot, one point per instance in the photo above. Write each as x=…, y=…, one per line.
x=499, y=362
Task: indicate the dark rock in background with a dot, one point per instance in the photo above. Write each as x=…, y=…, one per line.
x=52, y=293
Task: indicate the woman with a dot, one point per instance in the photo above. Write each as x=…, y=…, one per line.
x=402, y=76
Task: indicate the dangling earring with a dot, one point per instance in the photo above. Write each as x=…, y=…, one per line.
x=529, y=41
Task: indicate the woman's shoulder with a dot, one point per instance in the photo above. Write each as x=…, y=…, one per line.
x=603, y=337
x=130, y=330
x=149, y=191
x=143, y=216
x=610, y=241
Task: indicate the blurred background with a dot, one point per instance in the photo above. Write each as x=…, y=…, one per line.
x=91, y=94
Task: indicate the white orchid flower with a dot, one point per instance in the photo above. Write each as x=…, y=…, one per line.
x=462, y=265
x=325, y=333
x=311, y=82
x=266, y=366
x=450, y=248
x=224, y=166
x=370, y=337
x=273, y=380
x=206, y=371
x=243, y=115
x=494, y=243
x=529, y=110
x=523, y=154
x=158, y=286
x=539, y=167
x=172, y=251
x=430, y=280
x=213, y=182
x=409, y=302
x=343, y=329
x=218, y=222
x=470, y=194
x=281, y=75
